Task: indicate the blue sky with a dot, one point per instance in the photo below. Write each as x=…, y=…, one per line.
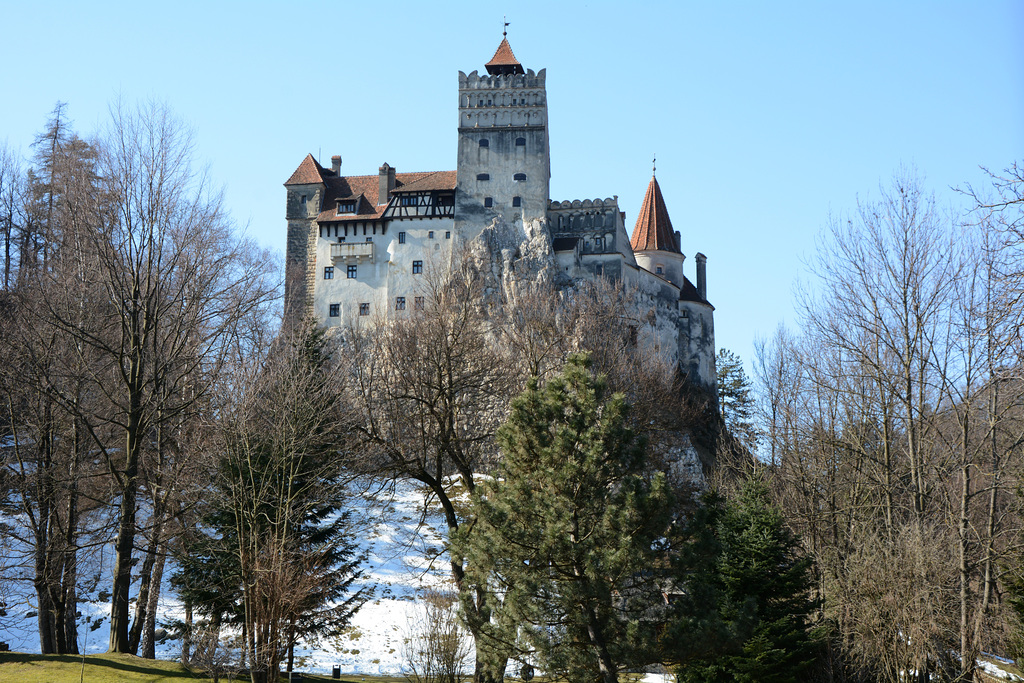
x=765, y=117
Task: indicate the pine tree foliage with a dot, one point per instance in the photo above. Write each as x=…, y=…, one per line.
x=745, y=614
x=277, y=554
x=735, y=400
x=567, y=530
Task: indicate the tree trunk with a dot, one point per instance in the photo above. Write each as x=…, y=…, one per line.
x=149, y=628
x=146, y=580
x=120, y=610
x=186, y=637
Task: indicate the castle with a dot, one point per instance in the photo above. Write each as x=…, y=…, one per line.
x=357, y=245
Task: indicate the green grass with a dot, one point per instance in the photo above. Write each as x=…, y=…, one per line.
x=29, y=668
x=111, y=668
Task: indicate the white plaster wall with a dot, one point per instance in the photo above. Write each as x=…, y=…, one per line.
x=388, y=276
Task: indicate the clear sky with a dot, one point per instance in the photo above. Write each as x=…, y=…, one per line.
x=765, y=117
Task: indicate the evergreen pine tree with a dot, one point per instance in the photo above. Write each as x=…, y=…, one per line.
x=275, y=552
x=745, y=616
x=566, y=532
x=735, y=402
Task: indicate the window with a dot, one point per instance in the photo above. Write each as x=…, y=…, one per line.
x=517, y=201
x=346, y=207
x=483, y=176
x=335, y=310
x=430, y=234
x=413, y=200
x=488, y=202
x=658, y=270
x=302, y=200
x=418, y=303
x=520, y=142
x=599, y=269
x=519, y=177
x=399, y=303
x=484, y=142
x=369, y=239
x=364, y=309
x=401, y=238
x=447, y=234
x=417, y=267
x=328, y=272
x=351, y=272
x=598, y=244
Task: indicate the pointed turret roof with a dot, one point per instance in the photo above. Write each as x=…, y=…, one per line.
x=503, y=61
x=309, y=172
x=653, y=229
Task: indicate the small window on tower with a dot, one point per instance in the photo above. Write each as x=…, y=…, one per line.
x=417, y=267
x=517, y=201
x=351, y=272
x=364, y=309
x=401, y=238
x=484, y=142
x=483, y=176
x=519, y=177
x=302, y=200
x=430, y=234
x=447, y=234
x=335, y=310
x=328, y=272
x=520, y=142
x=658, y=270
x=399, y=303
x=488, y=202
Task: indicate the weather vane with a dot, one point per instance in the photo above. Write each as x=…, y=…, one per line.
x=654, y=165
x=504, y=31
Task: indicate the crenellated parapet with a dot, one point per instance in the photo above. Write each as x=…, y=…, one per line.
x=583, y=215
x=516, y=100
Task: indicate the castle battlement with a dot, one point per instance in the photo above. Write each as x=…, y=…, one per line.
x=477, y=81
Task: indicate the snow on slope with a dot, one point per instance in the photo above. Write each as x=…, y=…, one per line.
x=404, y=559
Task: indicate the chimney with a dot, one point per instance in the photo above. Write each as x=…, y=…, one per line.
x=679, y=243
x=385, y=184
x=702, y=277
x=336, y=164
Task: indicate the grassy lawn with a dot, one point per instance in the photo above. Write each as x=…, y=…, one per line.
x=111, y=668
x=31, y=668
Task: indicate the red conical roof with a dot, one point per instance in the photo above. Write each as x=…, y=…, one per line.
x=653, y=229
x=503, y=61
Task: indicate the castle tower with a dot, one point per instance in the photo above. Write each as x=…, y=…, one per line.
x=305, y=194
x=503, y=157
x=654, y=243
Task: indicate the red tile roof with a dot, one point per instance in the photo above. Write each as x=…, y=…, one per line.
x=503, y=60
x=365, y=189
x=438, y=180
x=308, y=173
x=653, y=229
